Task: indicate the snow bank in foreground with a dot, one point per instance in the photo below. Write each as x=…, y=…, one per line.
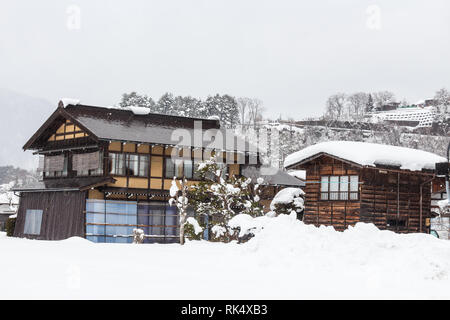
x=286, y=259
x=369, y=154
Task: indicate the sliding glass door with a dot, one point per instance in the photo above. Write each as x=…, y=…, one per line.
x=114, y=221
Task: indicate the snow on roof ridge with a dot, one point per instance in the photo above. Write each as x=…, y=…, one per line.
x=369, y=154
x=66, y=101
x=137, y=110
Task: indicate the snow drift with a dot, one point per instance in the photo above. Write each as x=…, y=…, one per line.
x=285, y=260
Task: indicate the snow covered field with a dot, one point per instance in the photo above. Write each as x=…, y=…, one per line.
x=286, y=260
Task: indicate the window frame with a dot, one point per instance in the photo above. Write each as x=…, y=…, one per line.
x=92, y=172
x=178, y=168
x=58, y=174
x=114, y=165
x=338, y=194
x=28, y=213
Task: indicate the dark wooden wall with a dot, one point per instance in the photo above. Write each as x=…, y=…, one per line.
x=395, y=196
x=63, y=214
x=377, y=201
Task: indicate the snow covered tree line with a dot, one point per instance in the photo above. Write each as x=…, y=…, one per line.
x=225, y=107
x=286, y=138
x=353, y=107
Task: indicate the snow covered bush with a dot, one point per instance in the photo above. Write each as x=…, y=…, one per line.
x=220, y=197
x=138, y=236
x=192, y=229
x=10, y=225
x=245, y=226
x=289, y=200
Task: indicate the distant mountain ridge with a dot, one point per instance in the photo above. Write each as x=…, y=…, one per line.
x=21, y=117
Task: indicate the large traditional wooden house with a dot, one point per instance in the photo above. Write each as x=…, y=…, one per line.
x=348, y=182
x=107, y=171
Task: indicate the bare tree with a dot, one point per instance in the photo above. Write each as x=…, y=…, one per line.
x=243, y=105
x=442, y=98
x=255, y=110
x=336, y=107
x=357, y=103
x=382, y=97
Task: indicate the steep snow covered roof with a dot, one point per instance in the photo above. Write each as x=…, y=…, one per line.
x=299, y=174
x=369, y=154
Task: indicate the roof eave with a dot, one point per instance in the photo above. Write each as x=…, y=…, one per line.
x=60, y=111
x=317, y=155
x=376, y=167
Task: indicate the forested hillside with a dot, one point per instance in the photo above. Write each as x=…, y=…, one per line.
x=19, y=176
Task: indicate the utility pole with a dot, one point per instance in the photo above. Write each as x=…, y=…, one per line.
x=443, y=170
x=447, y=177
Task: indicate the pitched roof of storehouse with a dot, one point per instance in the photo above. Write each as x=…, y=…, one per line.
x=136, y=124
x=368, y=155
x=272, y=176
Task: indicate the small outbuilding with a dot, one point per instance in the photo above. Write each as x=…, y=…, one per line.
x=349, y=182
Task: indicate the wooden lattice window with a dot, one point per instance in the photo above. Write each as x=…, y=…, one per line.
x=88, y=164
x=55, y=166
x=339, y=188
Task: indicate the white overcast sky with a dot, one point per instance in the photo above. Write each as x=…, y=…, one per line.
x=290, y=54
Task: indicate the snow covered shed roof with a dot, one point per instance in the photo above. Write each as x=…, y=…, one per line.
x=133, y=125
x=272, y=176
x=368, y=154
x=299, y=174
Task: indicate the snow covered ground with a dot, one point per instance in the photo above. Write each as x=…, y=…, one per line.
x=286, y=260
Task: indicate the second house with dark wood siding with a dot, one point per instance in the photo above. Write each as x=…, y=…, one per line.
x=349, y=182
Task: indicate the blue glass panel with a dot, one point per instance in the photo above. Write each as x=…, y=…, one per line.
x=95, y=206
x=121, y=219
x=95, y=229
x=155, y=240
x=143, y=219
x=143, y=215
x=125, y=207
x=206, y=231
x=119, y=230
x=95, y=217
x=156, y=219
x=119, y=239
x=146, y=230
x=171, y=220
x=143, y=208
x=100, y=239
